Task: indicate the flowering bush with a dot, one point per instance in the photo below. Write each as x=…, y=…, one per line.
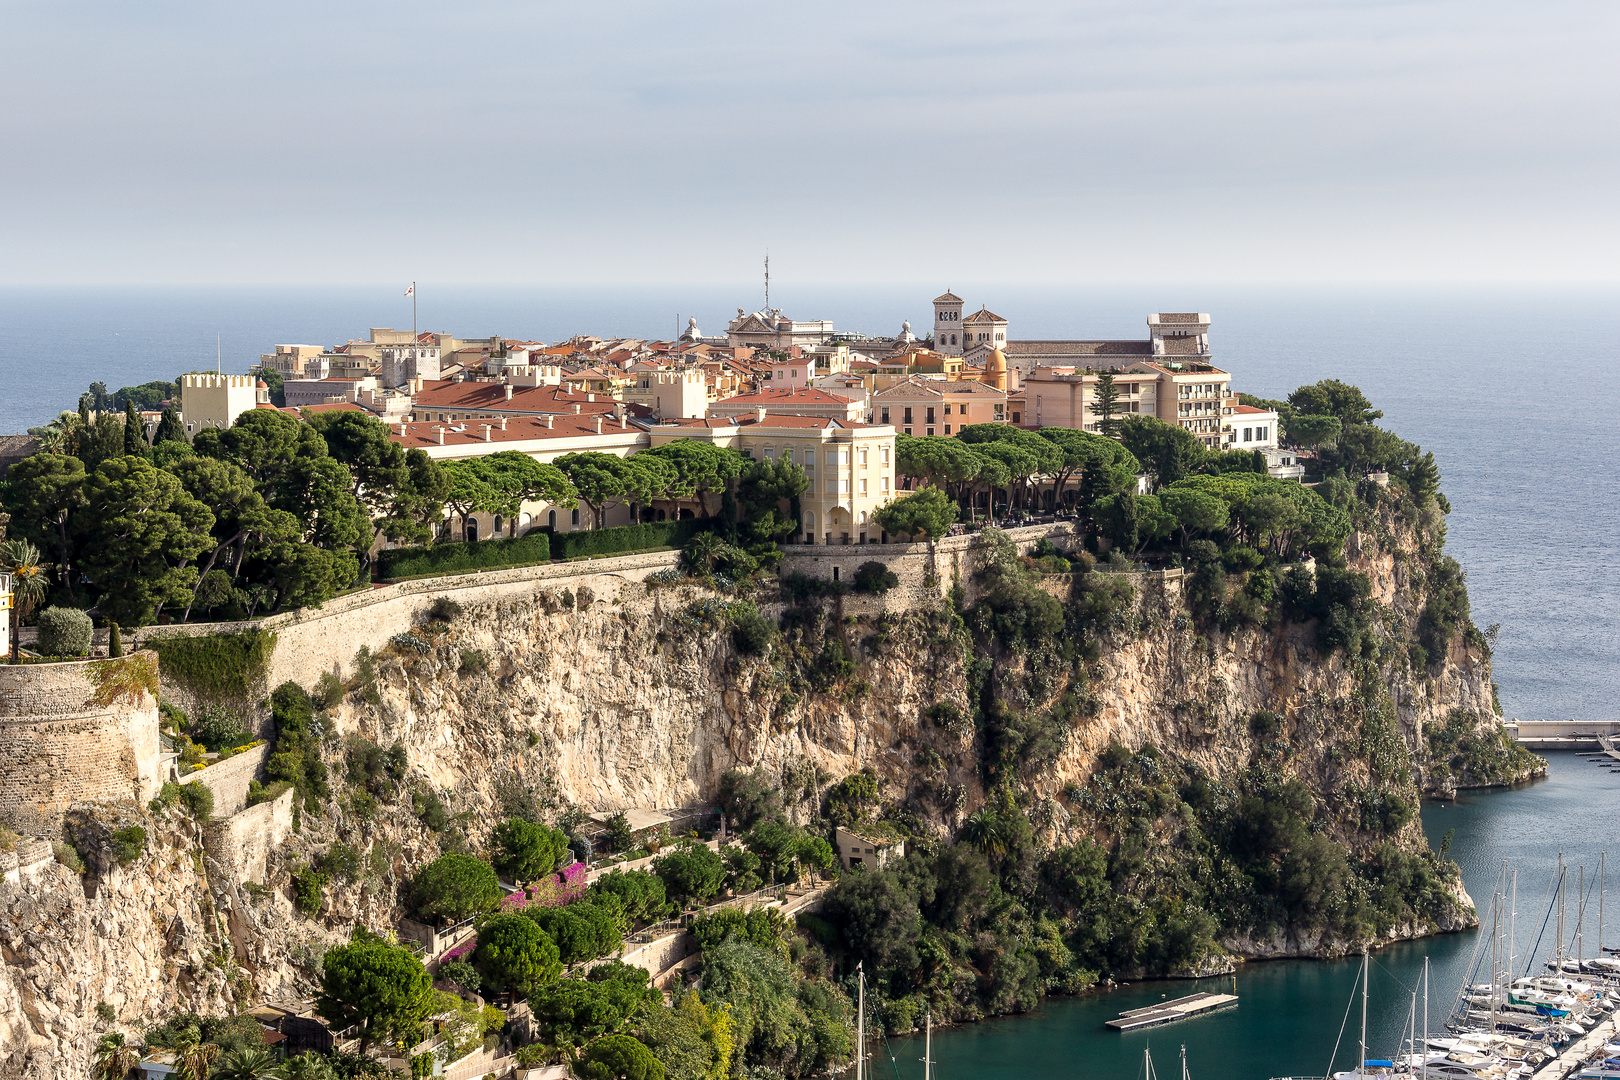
x=460, y=950
x=553, y=891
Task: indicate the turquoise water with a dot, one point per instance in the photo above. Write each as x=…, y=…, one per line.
x=1290, y=1011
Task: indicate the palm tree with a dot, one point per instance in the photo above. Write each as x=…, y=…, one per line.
x=114, y=1057
x=60, y=436
x=20, y=559
x=309, y=1066
x=196, y=1059
x=984, y=830
x=248, y=1064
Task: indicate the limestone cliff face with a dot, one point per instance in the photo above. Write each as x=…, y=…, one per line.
x=636, y=696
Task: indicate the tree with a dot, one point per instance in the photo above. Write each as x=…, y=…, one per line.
x=1026, y=454
x=575, y=1012
x=1103, y=464
x=1194, y=511
x=368, y=982
x=134, y=429
x=141, y=534
x=692, y=873
x=1116, y=516
x=517, y=478
x=196, y=1059
x=763, y=487
x=941, y=461
x=455, y=887
x=243, y=521
x=1105, y=404
x=43, y=492
x=248, y=1064
x=526, y=850
x=1330, y=397
x=377, y=468
x=1168, y=451
x=514, y=953
x=1311, y=430
x=620, y=1057
x=309, y=1066
x=20, y=559
x=419, y=505
x=747, y=798
x=114, y=1057
x=170, y=429
x=639, y=896
x=582, y=930
x=928, y=512
x=1423, y=479
x=701, y=469
x=604, y=481
x=276, y=383
x=96, y=399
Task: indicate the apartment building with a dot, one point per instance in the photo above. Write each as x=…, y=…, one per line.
x=806, y=401
x=1197, y=397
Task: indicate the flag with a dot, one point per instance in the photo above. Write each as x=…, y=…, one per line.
x=410, y=290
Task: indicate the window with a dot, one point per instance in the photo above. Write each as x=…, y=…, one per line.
x=885, y=455
x=1262, y=433
x=863, y=485
x=930, y=431
x=1000, y=411
x=1248, y=434
x=832, y=457
x=930, y=414
x=770, y=453
x=908, y=431
x=576, y=517
x=885, y=419
x=947, y=410
x=863, y=457
x=885, y=485
x=947, y=429
x=908, y=417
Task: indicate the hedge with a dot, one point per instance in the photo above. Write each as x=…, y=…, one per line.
x=625, y=538
x=527, y=550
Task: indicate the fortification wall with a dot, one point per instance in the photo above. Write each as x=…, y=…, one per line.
x=26, y=863
x=58, y=746
x=313, y=641
x=229, y=779
x=241, y=844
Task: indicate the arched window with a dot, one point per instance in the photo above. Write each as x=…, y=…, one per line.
x=524, y=521
x=498, y=523
x=863, y=517
x=472, y=532
x=551, y=520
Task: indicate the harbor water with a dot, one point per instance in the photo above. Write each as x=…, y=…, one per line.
x=1290, y=1012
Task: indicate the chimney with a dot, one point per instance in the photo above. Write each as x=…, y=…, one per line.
x=598, y=423
x=508, y=391
x=578, y=408
x=624, y=423
x=486, y=432
x=590, y=397
x=550, y=420
x=503, y=423
x=402, y=428
x=759, y=414
x=438, y=430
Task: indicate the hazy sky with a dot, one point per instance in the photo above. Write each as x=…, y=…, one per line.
x=631, y=141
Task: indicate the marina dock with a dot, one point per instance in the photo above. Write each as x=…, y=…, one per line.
x=1561, y=734
x=1577, y=1053
x=1168, y=1012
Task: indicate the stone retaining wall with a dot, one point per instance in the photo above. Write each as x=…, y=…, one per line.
x=229, y=779
x=57, y=746
x=241, y=844
x=313, y=641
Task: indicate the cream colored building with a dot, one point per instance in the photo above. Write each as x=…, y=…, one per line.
x=770, y=329
x=850, y=466
x=290, y=360
x=1197, y=397
x=213, y=400
x=918, y=405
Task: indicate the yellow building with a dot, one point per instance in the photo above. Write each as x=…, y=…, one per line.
x=850, y=466
x=923, y=406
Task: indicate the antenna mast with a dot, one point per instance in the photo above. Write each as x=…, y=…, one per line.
x=767, y=283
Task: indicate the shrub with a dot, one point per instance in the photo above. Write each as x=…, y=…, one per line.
x=196, y=797
x=473, y=662
x=68, y=856
x=308, y=886
x=875, y=578
x=429, y=809
x=115, y=641
x=328, y=691
x=64, y=632
x=526, y=550
x=219, y=729
x=129, y=844
x=262, y=793
x=751, y=632
x=444, y=610
x=219, y=667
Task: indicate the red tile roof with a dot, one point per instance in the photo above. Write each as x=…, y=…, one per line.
x=491, y=397
x=806, y=395
x=424, y=433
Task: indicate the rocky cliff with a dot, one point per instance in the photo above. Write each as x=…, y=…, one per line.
x=644, y=699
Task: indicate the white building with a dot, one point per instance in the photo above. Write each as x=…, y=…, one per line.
x=770, y=329
x=1252, y=429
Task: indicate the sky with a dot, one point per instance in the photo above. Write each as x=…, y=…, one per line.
x=523, y=142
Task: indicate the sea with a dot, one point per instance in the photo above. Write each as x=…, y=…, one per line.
x=1509, y=387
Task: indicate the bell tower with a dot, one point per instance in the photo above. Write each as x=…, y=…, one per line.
x=948, y=324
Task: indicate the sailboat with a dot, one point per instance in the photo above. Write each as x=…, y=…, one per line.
x=1366, y=1067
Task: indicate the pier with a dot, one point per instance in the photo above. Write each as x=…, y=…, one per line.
x=1168, y=1012
x=1561, y=734
x=1577, y=1053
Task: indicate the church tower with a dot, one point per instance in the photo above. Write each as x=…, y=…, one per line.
x=948, y=324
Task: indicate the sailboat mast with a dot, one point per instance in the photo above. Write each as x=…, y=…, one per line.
x=860, y=1023
x=1603, y=881
x=928, y=1047
x=1513, y=924
x=1425, y=1012
x=1580, y=923
x=1184, y=1075
x=1361, y=1065
x=1558, y=956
